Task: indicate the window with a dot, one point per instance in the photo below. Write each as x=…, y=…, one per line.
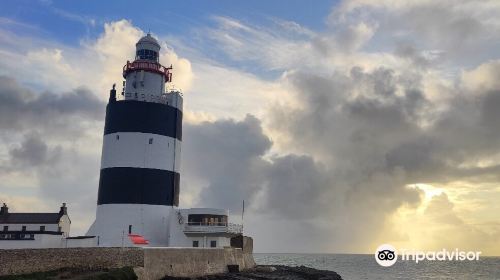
x=117, y=137
x=23, y=228
x=150, y=140
x=129, y=229
x=146, y=54
x=213, y=243
x=196, y=243
x=42, y=228
x=5, y=228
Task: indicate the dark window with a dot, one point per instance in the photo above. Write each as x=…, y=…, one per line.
x=196, y=243
x=146, y=54
x=5, y=228
x=150, y=140
x=129, y=229
x=213, y=243
x=207, y=219
x=117, y=137
x=42, y=228
x=23, y=228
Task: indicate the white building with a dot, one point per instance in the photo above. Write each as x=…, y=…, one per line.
x=39, y=230
x=202, y=227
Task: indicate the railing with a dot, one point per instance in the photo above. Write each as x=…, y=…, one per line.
x=148, y=66
x=214, y=228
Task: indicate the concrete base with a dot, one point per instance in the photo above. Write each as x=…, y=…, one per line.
x=192, y=262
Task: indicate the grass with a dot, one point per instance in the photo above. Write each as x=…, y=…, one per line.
x=125, y=273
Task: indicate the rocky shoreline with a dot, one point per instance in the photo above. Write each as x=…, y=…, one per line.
x=261, y=272
x=274, y=272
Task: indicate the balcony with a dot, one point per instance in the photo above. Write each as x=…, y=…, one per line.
x=228, y=228
x=148, y=66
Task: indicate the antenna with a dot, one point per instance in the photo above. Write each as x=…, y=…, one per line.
x=242, y=214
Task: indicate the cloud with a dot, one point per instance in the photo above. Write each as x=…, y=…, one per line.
x=321, y=133
x=95, y=64
x=465, y=30
x=22, y=109
x=32, y=152
x=227, y=157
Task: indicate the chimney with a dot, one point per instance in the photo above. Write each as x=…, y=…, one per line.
x=63, y=210
x=4, y=209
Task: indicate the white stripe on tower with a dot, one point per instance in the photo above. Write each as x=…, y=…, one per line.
x=140, y=150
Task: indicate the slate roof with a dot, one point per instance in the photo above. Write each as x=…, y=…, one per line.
x=30, y=218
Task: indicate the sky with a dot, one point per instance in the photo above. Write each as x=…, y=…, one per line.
x=342, y=124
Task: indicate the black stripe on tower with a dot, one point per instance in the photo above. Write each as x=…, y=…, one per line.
x=145, y=117
x=127, y=185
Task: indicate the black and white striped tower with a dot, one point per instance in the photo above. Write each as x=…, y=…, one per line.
x=139, y=179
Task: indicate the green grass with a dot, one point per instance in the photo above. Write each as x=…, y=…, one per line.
x=125, y=273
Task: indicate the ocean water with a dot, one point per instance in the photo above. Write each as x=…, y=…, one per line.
x=356, y=267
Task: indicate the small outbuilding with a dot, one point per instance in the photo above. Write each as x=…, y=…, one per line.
x=38, y=230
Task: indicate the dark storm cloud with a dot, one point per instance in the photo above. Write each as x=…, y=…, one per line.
x=28, y=120
x=23, y=109
x=33, y=152
x=228, y=156
x=379, y=130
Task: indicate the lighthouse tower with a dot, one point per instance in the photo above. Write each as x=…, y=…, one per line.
x=139, y=177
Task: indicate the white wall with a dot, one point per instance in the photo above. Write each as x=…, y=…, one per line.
x=41, y=241
x=148, y=86
x=86, y=242
x=132, y=149
x=65, y=224
x=113, y=220
x=174, y=99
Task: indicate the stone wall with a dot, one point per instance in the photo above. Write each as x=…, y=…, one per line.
x=151, y=263
x=24, y=261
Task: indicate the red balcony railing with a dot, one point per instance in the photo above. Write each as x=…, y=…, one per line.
x=149, y=67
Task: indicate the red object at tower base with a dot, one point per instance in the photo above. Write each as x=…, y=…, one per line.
x=138, y=239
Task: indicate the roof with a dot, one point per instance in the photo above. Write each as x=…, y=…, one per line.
x=30, y=218
x=148, y=39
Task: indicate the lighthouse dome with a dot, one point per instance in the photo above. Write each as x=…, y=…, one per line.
x=149, y=40
x=147, y=48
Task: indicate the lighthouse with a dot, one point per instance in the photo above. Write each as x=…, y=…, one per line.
x=139, y=176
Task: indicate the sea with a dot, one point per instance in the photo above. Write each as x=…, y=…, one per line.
x=357, y=267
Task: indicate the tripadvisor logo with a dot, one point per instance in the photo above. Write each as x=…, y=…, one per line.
x=386, y=255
